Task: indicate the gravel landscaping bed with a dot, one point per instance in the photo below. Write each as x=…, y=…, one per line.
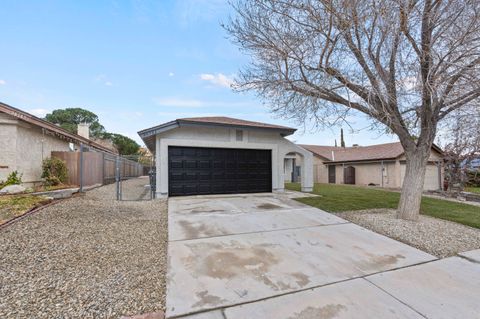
x=438, y=237
x=85, y=257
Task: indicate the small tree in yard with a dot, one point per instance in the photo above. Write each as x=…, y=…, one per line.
x=405, y=64
x=54, y=171
x=462, y=146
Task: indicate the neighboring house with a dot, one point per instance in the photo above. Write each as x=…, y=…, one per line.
x=221, y=155
x=474, y=164
x=25, y=140
x=379, y=165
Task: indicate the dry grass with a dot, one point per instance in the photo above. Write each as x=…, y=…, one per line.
x=12, y=206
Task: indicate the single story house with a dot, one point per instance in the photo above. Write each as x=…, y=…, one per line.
x=375, y=165
x=26, y=140
x=222, y=155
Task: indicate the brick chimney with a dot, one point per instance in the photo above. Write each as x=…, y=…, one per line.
x=83, y=129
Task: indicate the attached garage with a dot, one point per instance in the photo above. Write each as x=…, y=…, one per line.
x=202, y=170
x=221, y=155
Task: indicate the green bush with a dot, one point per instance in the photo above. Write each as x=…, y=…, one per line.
x=14, y=178
x=54, y=171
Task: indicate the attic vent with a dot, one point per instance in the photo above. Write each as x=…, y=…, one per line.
x=239, y=134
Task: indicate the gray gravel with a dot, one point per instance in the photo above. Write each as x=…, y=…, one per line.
x=432, y=235
x=86, y=257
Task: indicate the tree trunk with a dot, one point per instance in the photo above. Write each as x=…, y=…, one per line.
x=411, y=196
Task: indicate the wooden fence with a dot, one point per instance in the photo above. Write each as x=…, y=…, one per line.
x=98, y=167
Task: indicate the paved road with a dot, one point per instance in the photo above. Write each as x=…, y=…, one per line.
x=267, y=256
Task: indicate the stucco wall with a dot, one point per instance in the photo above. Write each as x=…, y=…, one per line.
x=8, y=145
x=288, y=165
x=224, y=137
x=38, y=146
x=431, y=176
x=24, y=147
x=320, y=171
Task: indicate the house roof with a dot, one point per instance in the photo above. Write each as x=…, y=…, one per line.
x=148, y=135
x=234, y=122
x=359, y=153
x=58, y=131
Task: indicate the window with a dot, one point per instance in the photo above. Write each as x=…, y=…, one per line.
x=239, y=134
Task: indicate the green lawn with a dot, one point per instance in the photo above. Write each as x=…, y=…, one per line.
x=473, y=190
x=338, y=198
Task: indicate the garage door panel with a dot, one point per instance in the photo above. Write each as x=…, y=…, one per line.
x=189, y=164
x=218, y=171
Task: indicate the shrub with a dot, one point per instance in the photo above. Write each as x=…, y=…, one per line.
x=54, y=171
x=473, y=178
x=14, y=178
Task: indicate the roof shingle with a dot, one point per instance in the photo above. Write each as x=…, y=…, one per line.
x=232, y=121
x=357, y=153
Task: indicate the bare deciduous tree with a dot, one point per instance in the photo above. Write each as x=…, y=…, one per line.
x=406, y=64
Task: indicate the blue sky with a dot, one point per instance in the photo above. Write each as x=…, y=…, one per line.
x=134, y=63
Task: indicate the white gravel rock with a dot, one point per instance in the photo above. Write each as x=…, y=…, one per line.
x=85, y=257
x=438, y=237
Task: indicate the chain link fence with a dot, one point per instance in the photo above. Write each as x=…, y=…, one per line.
x=133, y=175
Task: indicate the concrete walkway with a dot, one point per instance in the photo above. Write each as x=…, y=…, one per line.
x=268, y=256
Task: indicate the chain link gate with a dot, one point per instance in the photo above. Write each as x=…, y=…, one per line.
x=134, y=177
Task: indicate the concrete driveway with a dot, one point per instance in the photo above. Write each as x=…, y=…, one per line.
x=268, y=256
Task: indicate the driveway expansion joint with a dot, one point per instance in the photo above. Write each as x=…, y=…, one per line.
x=259, y=231
x=400, y=301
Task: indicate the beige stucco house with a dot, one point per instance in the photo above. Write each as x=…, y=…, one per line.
x=25, y=140
x=376, y=165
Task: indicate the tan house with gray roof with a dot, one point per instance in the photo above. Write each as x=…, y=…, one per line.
x=375, y=165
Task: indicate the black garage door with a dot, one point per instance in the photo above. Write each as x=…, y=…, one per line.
x=194, y=170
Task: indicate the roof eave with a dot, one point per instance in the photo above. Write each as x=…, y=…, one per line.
x=363, y=161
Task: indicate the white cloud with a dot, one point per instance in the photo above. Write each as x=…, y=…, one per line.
x=3, y=82
x=39, y=112
x=102, y=78
x=218, y=79
x=171, y=74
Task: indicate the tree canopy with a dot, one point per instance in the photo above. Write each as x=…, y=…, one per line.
x=69, y=119
x=124, y=144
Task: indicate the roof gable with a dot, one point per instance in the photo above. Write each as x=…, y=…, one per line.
x=360, y=153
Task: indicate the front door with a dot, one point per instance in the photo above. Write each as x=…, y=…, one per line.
x=331, y=174
x=349, y=175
